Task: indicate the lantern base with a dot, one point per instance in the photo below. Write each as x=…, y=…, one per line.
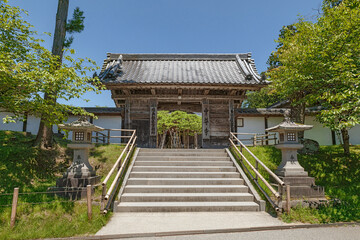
x=74, y=187
x=303, y=187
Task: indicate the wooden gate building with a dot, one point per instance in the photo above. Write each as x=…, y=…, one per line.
x=211, y=84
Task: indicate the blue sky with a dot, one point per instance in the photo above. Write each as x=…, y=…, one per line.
x=171, y=26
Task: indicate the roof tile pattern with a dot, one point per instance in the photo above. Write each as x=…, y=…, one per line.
x=219, y=69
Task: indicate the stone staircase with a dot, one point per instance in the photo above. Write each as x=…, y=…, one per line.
x=184, y=180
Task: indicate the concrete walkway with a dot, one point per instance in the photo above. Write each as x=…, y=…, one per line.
x=132, y=223
x=324, y=233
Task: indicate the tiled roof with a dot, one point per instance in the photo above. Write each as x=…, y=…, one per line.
x=180, y=69
x=103, y=110
x=271, y=111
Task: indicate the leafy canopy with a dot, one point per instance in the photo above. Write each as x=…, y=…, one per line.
x=28, y=71
x=322, y=61
x=178, y=121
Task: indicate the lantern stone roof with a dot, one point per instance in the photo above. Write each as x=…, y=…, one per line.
x=217, y=69
x=287, y=124
x=80, y=124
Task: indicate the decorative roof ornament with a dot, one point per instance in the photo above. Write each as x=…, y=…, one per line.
x=288, y=124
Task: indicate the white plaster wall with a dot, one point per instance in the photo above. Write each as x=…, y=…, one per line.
x=18, y=126
x=110, y=122
x=355, y=135
x=33, y=124
x=319, y=133
x=251, y=125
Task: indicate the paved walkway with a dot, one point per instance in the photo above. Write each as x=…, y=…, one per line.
x=131, y=223
x=322, y=233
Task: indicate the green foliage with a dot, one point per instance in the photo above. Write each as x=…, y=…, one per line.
x=262, y=99
x=178, y=121
x=57, y=219
x=27, y=167
x=34, y=170
x=74, y=25
x=320, y=62
x=28, y=71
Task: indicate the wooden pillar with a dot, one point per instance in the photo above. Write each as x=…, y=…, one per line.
x=205, y=123
x=231, y=116
x=153, y=123
x=127, y=121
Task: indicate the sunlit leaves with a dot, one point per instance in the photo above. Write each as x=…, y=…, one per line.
x=28, y=71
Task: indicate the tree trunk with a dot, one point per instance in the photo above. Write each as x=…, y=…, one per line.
x=346, y=140
x=45, y=132
x=163, y=139
x=298, y=116
x=196, y=140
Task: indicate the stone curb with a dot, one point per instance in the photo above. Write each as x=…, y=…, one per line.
x=211, y=231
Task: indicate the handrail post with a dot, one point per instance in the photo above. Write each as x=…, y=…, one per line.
x=102, y=203
x=257, y=169
x=288, y=199
x=89, y=201
x=97, y=137
x=279, y=202
x=13, y=207
x=108, y=137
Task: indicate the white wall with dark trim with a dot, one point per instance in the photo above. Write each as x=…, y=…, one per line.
x=254, y=124
x=32, y=125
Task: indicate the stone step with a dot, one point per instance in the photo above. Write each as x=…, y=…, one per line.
x=185, y=154
x=183, y=169
x=182, y=158
x=180, y=150
x=186, y=206
x=185, y=189
x=184, y=175
x=185, y=181
x=183, y=163
x=186, y=197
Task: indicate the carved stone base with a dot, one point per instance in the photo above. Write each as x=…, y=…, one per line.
x=304, y=187
x=73, y=187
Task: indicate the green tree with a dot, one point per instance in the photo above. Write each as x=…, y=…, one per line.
x=76, y=24
x=28, y=71
x=320, y=64
x=177, y=124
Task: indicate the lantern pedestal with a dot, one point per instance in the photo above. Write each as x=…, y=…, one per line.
x=289, y=165
x=80, y=173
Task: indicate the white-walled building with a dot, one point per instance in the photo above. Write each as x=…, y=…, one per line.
x=247, y=121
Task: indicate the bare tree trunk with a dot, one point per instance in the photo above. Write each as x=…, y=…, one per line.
x=163, y=139
x=45, y=132
x=346, y=140
x=187, y=139
x=195, y=140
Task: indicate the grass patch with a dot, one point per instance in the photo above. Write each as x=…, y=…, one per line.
x=340, y=175
x=34, y=170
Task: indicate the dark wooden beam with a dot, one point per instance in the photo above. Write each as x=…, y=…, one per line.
x=183, y=97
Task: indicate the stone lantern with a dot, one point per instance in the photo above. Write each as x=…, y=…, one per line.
x=290, y=170
x=80, y=173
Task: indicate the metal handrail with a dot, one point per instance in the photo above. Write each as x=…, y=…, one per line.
x=278, y=194
x=120, y=165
